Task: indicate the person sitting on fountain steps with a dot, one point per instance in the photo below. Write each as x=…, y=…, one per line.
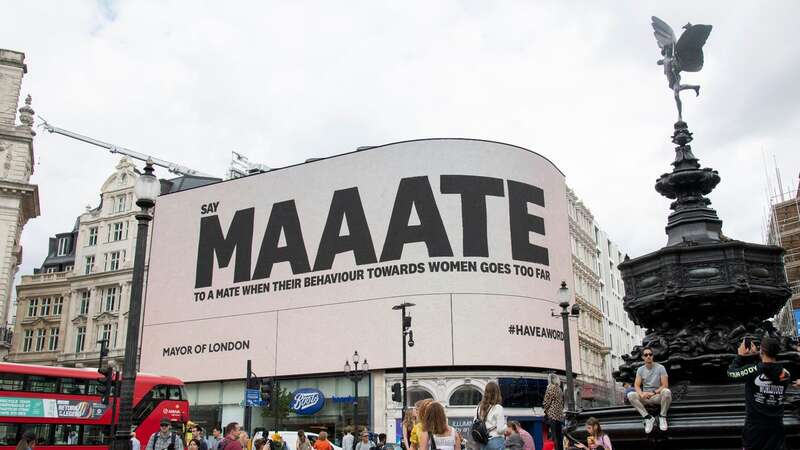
x=765, y=387
x=651, y=388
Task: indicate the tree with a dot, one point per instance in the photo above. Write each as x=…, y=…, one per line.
x=280, y=406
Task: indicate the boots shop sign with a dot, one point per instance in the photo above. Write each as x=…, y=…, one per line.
x=295, y=267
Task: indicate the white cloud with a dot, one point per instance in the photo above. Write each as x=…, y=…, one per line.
x=282, y=82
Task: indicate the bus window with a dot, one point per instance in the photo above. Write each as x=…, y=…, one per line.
x=96, y=435
x=174, y=392
x=66, y=435
x=8, y=433
x=41, y=384
x=11, y=382
x=74, y=386
x=42, y=431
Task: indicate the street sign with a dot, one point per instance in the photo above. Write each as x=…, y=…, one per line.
x=252, y=396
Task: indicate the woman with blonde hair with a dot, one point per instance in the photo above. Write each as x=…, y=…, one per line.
x=409, y=419
x=436, y=429
x=422, y=408
x=490, y=411
x=28, y=441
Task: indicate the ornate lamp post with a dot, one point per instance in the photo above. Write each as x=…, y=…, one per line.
x=146, y=190
x=356, y=374
x=407, y=333
x=566, y=313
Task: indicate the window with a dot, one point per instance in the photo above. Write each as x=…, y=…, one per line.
x=46, y=306
x=58, y=305
x=417, y=395
x=114, y=259
x=466, y=396
x=33, y=306
x=40, y=339
x=120, y=203
x=114, y=336
x=89, y=265
x=86, y=296
x=27, y=341
x=111, y=303
x=105, y=335
x=63, y=246
x=51, y=269
x=68, y=268
x=11, y=382
x=75, y=386
x=117, y=231
x=80, y=339
x=52, y=344
x=522, y=392
x=92, y=237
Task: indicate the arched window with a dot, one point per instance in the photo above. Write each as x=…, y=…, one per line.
x=418, y=394
x=466, y=396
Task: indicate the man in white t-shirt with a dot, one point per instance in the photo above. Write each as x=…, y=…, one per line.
x=651, y=388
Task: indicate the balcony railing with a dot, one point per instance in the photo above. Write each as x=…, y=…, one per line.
x=44, y=277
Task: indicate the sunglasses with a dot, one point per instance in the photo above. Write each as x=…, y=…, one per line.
x=647, y=354
x=164, y=425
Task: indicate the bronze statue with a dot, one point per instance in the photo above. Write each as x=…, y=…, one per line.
x=685, y=54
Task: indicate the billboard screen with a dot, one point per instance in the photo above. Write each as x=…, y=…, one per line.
x=296, y=268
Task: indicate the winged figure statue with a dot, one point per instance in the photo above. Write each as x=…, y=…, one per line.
x=684, y=54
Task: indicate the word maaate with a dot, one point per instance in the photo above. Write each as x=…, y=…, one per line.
x=413, y=192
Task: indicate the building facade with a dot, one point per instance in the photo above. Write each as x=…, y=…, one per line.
x=595, y=390
x=81, y=293
x=621, y=334
x=19, y=200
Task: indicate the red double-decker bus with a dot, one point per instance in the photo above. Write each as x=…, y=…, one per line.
x=62, y=406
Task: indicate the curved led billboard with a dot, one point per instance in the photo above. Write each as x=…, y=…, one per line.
x=296, y=268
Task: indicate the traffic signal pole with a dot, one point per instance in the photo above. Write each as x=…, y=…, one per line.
x=248, y=410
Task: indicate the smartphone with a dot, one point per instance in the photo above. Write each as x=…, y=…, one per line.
x=747, y=342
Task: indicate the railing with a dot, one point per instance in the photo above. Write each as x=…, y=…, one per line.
x=795, y=287
x=44, y=277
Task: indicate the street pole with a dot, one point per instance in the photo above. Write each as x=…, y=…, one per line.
x=567, y=312
x=568, y=362
x=248, y=410
x=355, y=407
x=355, y=375
x=408, y=340
x=146, y=190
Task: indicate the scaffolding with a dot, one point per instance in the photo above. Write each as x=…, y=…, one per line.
x=783, y=229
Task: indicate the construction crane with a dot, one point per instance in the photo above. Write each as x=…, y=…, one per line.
x=172, y=167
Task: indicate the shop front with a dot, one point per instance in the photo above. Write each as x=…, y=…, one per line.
x=314, y=404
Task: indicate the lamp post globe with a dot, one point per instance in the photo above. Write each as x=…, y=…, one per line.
x=146, y=190
x=147, y=187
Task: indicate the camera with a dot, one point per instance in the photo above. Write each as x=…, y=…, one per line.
x=410, y=338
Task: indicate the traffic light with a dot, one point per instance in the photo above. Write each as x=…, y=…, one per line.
x=104, y=389
x=397, y=394
x=266, y=390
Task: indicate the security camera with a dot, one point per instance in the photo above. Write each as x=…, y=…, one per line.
x=410, y=338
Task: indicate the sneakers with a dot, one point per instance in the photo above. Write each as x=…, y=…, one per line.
x=649, y=422
x=662, y=423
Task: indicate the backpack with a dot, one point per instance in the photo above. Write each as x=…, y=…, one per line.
x=478, y=429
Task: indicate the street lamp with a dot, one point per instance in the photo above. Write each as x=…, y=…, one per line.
x=356, y=374
x=146, y=190
x=406, y=327
x=564, y=297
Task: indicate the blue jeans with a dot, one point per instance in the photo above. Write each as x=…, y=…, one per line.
x=495, y=443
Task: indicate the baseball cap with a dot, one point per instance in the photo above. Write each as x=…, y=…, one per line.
x=165, y=422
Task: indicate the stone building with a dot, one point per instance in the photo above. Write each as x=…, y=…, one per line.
x=19, y=200
x=43, y=299
x=81, y=293
x=621, y=334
